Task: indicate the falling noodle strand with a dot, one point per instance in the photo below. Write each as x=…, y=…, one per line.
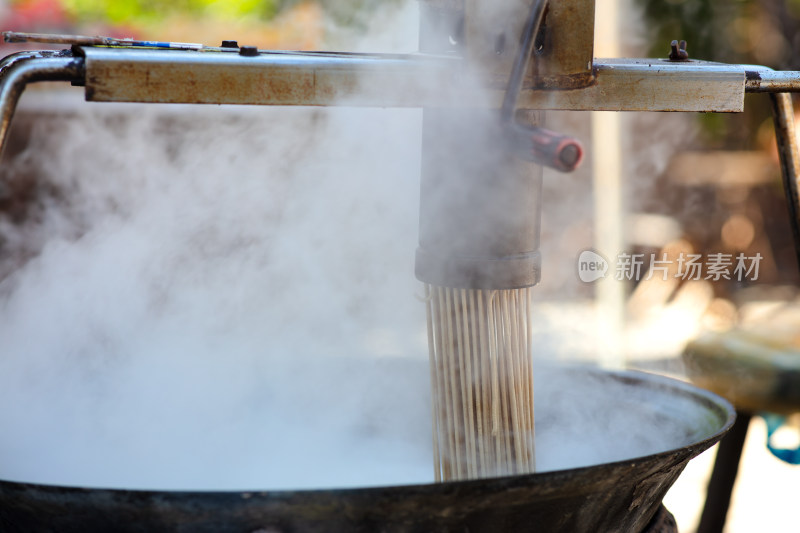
x=480, y=345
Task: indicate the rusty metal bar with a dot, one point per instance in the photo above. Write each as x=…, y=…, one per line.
x=567, y=46
x=649, y=85
x=783, y=117
x=779, y=85
x=765, y=80
x=18, y=70
x=416, y=80
x=126, y=75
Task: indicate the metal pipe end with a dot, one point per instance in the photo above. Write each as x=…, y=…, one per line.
x=465, y=272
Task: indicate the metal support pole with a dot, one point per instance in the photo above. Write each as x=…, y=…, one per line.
x=783, y=117
x=609, y=204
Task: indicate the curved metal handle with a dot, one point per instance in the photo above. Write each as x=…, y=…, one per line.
x=17, y=70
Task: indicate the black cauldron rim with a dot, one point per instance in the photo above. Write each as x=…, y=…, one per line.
x=480, y=504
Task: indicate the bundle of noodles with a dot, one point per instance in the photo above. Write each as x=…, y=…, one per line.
x=478, y=258
x=481, y=381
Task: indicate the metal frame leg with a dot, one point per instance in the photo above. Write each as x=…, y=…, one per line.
x=783, y=117
x=723, y=476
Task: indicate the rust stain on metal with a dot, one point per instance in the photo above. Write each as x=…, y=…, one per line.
x=648, y=85
x=565, y=60
x=563, y=82
x=401, y=81
x=157, y=79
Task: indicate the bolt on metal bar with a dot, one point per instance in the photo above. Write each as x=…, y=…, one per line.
x=18, y=70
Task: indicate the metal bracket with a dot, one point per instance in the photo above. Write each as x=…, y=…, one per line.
x=415, y=80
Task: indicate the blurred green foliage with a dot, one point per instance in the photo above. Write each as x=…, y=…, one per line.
x=148, y=11
x=352, y=13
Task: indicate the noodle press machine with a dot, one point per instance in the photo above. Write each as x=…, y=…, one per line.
x=460, y=41
x=483, y=73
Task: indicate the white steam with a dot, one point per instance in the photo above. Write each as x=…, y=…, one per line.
x=224, y=298
x=186, y=333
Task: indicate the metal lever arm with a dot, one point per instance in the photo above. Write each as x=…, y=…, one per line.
x=532, y=143
x=523, y=58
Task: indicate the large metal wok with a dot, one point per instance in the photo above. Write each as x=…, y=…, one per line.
x=670, y=421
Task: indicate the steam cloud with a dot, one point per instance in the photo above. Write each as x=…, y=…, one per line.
x=224, y=299
x=205, y=319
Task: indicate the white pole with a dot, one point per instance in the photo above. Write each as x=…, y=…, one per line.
x=609, y=205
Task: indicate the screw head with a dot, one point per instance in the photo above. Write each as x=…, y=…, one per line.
x=248, y=51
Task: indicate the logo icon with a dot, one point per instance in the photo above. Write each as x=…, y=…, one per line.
x=591, y=266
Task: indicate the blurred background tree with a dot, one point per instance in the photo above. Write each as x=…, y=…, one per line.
x=761, y=32
x=734, y=31
x=764, y=32
x=151, y=12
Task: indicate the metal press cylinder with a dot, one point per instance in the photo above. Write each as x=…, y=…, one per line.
x=480, y=205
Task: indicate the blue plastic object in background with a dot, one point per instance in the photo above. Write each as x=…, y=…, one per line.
x=774, y=422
